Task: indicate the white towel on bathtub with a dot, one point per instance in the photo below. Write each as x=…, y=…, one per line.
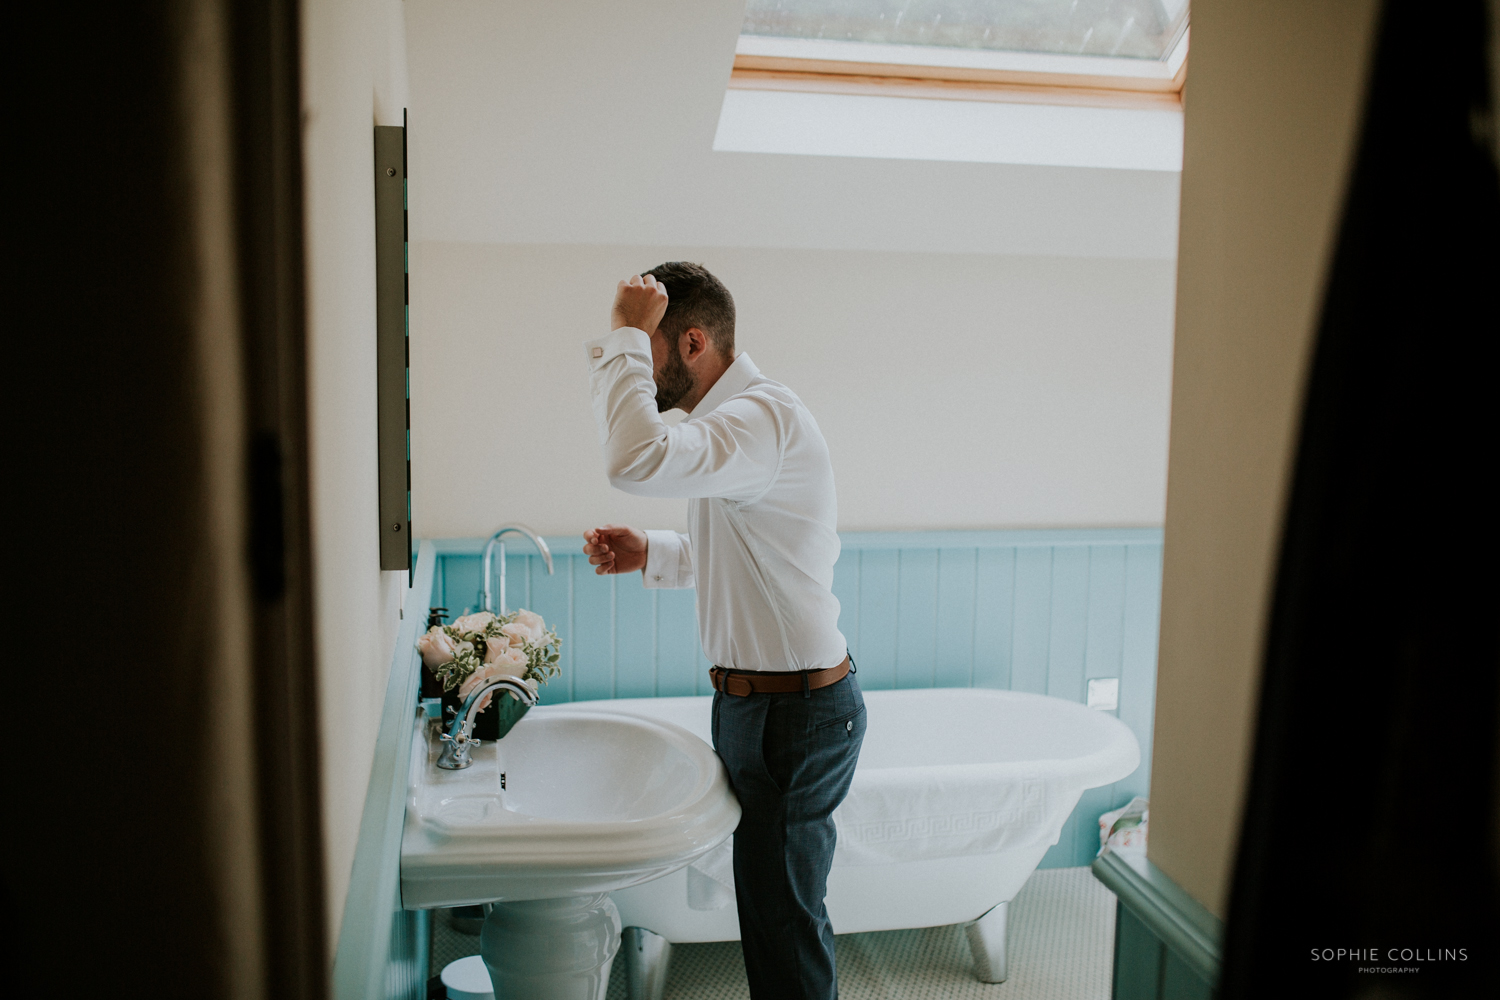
x=909, y=813
x=912, y=813
x=710, y=879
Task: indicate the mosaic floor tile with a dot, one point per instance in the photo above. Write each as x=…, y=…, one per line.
x=1062, y=927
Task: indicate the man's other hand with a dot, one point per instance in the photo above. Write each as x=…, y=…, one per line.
x=616, y=548
x=639, y=302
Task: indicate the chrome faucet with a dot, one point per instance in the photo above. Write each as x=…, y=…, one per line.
x=489, y=552
x=455, y=755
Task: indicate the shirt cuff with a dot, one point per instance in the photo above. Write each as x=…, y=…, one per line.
x=625, y=340
x=663, y=557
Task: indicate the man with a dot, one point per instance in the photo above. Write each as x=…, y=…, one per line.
x=788, y=717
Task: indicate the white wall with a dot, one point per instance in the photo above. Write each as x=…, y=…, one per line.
x=975, y=359
x=985, y=344
x=354, y=77
x=955, y=390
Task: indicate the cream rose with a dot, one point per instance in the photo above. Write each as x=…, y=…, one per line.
x=436, y=647
x=473, y=623
x=533, y=621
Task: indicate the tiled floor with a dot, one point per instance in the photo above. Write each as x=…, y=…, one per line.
x=1062, y=927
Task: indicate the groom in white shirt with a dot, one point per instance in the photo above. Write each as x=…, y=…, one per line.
x=788, y=717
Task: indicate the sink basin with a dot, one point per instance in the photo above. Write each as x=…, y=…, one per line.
x=570, y=803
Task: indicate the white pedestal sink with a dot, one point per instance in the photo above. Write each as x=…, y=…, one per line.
x=568, y=807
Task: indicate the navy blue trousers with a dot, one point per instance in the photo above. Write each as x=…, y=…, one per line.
x=790, y=759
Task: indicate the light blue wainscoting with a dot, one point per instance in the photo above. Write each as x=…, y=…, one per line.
x=1042, y=611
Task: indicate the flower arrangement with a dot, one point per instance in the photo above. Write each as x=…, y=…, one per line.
x=483, y=646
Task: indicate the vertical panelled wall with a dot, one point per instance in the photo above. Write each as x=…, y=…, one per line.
x=1041, y=611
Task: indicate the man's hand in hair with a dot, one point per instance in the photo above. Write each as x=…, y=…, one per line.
x=640, y=302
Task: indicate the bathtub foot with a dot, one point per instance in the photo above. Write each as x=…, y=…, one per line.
x=646, y=958
x=987, y=942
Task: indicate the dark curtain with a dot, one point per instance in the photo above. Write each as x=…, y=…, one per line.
x=106, y=859
x=1370, y=821
x=110, y=878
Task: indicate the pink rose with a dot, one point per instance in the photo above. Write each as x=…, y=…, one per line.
x=436, y=647
x=473, y=623
x=494, y=646
x=510, y=663
x=476, y=679
x=519, y=634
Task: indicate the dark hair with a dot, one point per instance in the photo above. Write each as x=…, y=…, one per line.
x=696, y=298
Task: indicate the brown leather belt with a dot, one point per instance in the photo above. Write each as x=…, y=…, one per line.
x=742, y=685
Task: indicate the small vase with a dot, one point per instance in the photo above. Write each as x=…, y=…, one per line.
x=504, y=711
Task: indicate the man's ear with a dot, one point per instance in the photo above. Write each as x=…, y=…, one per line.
x=693, y=343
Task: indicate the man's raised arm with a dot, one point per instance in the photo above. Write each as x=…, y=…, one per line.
x=732, y=452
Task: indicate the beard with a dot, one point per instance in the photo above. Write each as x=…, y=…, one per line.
x=673, y=383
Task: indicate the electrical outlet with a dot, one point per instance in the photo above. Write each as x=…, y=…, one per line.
x=1104, y=693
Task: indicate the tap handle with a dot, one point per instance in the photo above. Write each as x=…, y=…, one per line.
x=463, y=735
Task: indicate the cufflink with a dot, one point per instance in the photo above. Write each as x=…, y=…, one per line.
x=657, y=578
x=597, y=352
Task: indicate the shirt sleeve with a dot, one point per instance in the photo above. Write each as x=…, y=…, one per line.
x=669, y=560
x=733, y=452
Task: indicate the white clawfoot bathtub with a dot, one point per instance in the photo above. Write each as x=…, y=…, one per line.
x=958, y=794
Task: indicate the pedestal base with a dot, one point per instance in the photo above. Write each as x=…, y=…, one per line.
x=551, y=949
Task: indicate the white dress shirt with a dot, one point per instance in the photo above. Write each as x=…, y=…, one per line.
x=762, y=514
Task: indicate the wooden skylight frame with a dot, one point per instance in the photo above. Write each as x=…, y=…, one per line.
x=860, y=68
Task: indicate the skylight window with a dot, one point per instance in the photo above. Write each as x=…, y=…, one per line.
x=1103, y=53
x=1130, y=29
x=961, y=81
